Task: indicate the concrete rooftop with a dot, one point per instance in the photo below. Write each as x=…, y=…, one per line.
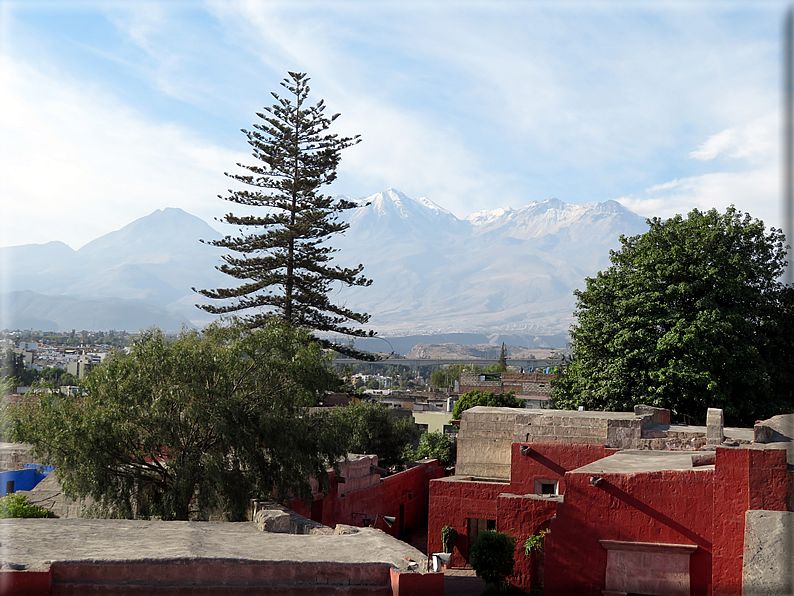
x=35, y=543
x=632, y=461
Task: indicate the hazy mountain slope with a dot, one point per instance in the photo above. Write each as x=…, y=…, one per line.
x=26, y=310
x=507, y=271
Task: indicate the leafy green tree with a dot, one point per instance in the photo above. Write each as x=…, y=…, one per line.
x=13, y=367
x=282, y=257
x=371, y=428
x=179, y=429
x=445, y=377
x=436, y=445
x=690, y=315
x=440, y=378
x=485, y=398
x=493, y=556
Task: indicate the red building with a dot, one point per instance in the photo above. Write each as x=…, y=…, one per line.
x=632, y=504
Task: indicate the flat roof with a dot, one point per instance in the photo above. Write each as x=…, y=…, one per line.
x=631, y=461
x=37, y=542
x=558, y=413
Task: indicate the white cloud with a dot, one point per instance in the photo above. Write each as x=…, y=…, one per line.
x=753, y=191
x=756, y=141
x=82, y=164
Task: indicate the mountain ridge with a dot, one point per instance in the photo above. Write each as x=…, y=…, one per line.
x=502, y=270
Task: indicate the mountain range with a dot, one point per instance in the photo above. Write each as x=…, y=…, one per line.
x=494, y=273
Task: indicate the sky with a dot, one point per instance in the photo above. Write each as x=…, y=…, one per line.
x=110, y=110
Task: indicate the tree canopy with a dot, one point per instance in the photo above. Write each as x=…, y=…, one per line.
x=436, y=445
x=485, y=398
x=282, y=256
x=203, y=423
x=690, y=315
x=371, y=428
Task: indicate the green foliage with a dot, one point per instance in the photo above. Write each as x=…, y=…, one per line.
x=178, y=429
x=15, y=505
x=282, y=254
x=485, y=398
x=13, y=369
x=436, y=445
x=502, y=364
x=444, y=378
x=492, y=556
x=371, y=428
x=448, y=537
x=534, y=542
x=690, y=315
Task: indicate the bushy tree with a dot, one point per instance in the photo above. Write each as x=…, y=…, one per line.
x=436, y=445
x=493, y=556
x=372, y=429
x=282, y=256
x=690, y=315
x=178, y=429
x=485, y=398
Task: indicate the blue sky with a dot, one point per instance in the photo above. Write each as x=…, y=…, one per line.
x=110, y=110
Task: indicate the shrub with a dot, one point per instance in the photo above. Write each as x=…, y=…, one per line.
x=17, y=506
x=491, y=557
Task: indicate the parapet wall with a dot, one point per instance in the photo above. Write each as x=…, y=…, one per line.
x=486, y=434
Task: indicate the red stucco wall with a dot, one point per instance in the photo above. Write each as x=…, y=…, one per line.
x=744, y=479
x=670, y=507
x=406, y=492
x=520, y=517
x=550, y=461
x=452, y=504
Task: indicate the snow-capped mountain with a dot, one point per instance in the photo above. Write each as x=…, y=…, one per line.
x=505, y=270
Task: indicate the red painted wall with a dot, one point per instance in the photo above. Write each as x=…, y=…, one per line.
x=452, y=503
x=521, y=516
x=406, y=491
x=550, y=461
x=744, y=479
x=669, y=506
x=25, y=583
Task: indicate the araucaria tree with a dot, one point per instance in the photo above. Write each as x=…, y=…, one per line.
x=690, y=315
x=282, y=256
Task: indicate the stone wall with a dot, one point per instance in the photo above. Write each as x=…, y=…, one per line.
x=484, y=441
x=486, y=434
x=13, y=456
x=767, y=568
x=527, y=384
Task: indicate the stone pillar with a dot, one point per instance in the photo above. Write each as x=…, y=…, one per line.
x=714, y=424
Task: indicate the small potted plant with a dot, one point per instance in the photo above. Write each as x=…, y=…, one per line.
x=448, y=538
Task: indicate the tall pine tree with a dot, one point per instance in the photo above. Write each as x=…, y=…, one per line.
x=282, y=256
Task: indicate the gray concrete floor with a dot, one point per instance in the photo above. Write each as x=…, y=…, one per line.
x=462, y=582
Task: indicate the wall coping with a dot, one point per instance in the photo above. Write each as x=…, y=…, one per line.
x=649, y=547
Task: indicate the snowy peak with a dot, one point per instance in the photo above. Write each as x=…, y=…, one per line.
x=392, y=213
